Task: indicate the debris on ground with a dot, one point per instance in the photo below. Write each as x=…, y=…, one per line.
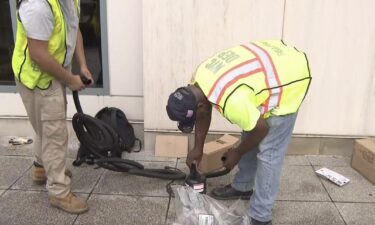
x=20, y=140
x=333, y=176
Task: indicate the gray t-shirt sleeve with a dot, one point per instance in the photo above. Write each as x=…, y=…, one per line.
x=37, y=19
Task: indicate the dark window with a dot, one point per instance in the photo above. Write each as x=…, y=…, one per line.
x=6, y=44
x=91, y=32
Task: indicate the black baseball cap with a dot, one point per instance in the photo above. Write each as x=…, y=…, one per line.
x=182, y=107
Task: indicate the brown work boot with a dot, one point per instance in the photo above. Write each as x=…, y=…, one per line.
x=70, y=203
x=38, y=174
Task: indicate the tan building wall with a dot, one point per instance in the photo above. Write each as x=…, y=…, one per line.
x=337, y=36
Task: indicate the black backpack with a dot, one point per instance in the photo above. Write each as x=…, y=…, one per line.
x=117, y=129
x=117, y=120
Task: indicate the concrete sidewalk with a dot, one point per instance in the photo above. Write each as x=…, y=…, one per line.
x=119, y=198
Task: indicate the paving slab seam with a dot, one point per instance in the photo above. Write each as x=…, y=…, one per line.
x=4, y=190
x=306, y=201
x=170, y=197
x=35, y=191
x=129, y=195
x=89, y=194
x=320, y=180
x=297, y=166
x=370, y=203
x=44, y=190
x=26, y=189
x=309, y=159
x=338, y=166
x=75, y=219
x=122, y=195
x=96, y=183
x=342, y=216
x=10, y=186
x=11, y=155
x=17, y=156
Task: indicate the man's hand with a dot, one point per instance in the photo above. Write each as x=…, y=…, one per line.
x=86, y=72
x=194, y=154
x=232, y=157
x=75, y=83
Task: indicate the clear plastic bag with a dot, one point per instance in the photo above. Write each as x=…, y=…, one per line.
x=193, y=208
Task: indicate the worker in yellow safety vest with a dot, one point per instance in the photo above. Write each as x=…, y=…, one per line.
x=259, y=87
x=47, y=37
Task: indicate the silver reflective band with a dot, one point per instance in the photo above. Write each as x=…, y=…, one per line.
x=232, y=75
x=271, y=77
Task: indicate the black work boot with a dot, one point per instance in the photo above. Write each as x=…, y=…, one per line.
x=256, y=222
x=227, y=192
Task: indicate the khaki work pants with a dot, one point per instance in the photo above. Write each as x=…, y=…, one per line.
x=47, y=114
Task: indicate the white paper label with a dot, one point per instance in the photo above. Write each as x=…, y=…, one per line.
x=205, y=219
x=199, y=187
x=332, y=176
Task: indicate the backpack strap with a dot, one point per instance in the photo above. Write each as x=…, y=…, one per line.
x=140, y=145
x=113, y=118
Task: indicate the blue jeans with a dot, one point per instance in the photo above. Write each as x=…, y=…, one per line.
x=260, y=168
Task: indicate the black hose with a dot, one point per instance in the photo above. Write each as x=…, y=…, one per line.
x=76, y=102
x=132, y=167
x=94, y=134
x=218, y=173
x=85, y=81
x=97, y=137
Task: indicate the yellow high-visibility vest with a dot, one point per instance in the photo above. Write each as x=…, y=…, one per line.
x=278, y=75
x=26, y=71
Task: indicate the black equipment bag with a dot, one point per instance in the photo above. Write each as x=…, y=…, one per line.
x=109, y=133
x=117, y=120
x=105, y=137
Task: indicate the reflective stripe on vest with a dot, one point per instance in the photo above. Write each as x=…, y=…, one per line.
x=262, y=62
x=272, y=79
x=231, y=76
